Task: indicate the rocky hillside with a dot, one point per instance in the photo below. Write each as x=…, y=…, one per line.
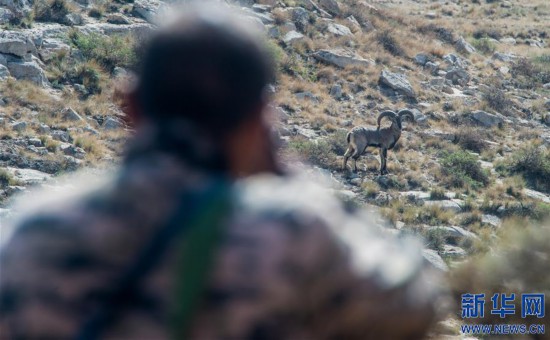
x=476, y=74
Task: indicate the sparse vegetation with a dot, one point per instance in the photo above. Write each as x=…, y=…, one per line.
x=463, y=170
x=107, y=51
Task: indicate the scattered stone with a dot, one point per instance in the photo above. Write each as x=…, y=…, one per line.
x=453, y=252
x=433, y=258
x=463, y=46
x=454, y=234
x=505, y=57
x=421, y=59
x=341, y=58
x=292, y=36
x=118, y=19
x=19, y=126
x=445, y=205
x=112, y=124
x=71, y=114
x=336, y=91
x=62, y=136
x=491, y=220
x=339, y=30
x=458, y=76
x=73, y=19
x=397, y=82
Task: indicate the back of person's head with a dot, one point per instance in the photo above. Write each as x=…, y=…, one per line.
x=206, y=66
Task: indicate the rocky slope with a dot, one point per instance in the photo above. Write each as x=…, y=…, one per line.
x=475, y=73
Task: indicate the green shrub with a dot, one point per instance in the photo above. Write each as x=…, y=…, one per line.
x=471, y=139
x=108, y=51
x=318, y=152
x=484, y=45
x=497, y=100
x=438, y=194
x=51, y=10
x=463, y=170
x=533, y=163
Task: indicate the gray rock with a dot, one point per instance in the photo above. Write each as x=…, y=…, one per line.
x=536, y=195
x=505, y=57
x=397, y=82
x=4, y=72
x=73, y=151
x=146, y=9
x=5, y=15
x=458, y=76
x=355, y=26
x=330, y=6
x=51, y=48
x=112, y=124
x=336, y=91
x=71, y=114
x=19, y=126
x=508, y=41
x=453, y=252
x=454, y=234
x=306, y=95
x=16, y=44
x=339, y=30
x=445, y=205
x=28, y=176
x=491, y=220
x=292, y=36
x=35, y=142
x=421, y=59
x=486, y=119
x=433, y=258
x=463, y=46
x=341, y=58
x=28, y=70
x=300, y=17
x=73, y=19
x=43, y=128
x=61, y=135
x=118, y=19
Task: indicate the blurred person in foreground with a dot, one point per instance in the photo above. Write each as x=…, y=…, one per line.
x=201, y=235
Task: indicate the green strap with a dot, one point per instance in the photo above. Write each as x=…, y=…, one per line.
x=198, y=247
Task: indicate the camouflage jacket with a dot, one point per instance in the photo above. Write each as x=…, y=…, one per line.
x=292, y=264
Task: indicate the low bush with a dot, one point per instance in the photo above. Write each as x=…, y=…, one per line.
x=51, y=10
x=463, y=170
x=533, y=164
x=388, y=42
x=107, y=51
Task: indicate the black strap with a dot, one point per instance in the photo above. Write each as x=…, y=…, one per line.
x=190, y=208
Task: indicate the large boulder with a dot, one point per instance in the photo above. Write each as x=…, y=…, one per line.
x=397, y=82
x=28, y=70
x=16, y=44
x=486, y=119
x=341, y=58
x=146, y=9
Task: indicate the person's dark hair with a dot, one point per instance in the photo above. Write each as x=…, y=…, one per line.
x=206, y=68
